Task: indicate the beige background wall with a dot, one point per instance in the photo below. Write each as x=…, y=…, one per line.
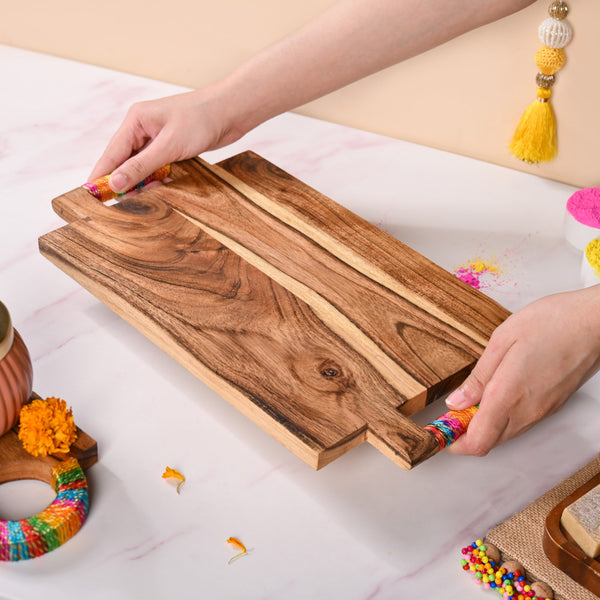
x=465, y=96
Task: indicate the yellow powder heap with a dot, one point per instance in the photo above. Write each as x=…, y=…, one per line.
x=479, y=266
x=592, y=254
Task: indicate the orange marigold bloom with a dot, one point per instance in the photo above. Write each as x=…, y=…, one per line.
x=46, y=427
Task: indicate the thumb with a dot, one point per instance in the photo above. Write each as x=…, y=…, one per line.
x=468, y=394
x=472, y=388
x=137, y=168
x=129, y=174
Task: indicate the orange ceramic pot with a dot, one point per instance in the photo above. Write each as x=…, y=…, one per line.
x=16, y=372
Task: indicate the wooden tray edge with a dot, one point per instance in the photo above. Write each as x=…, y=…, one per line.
x=563, y=552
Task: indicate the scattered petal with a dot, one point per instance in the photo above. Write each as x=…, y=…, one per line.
x=235, y=542
x=174, y=474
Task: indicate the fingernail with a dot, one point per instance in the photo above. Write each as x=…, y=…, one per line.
x=117, y=182
x=458, y=400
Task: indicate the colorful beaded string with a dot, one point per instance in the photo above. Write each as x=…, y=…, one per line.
x=101, y=190
x=451, y=425
x=49, y=529
x=535, y=138
x=510, y=584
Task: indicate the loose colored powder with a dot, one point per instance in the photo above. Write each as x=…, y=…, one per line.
x=468, y=277
x=478, y=272
x=584, y=206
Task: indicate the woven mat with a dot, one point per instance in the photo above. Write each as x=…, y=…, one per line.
x=520, y=537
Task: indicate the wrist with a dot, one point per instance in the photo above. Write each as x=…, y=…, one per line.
x=233, y=108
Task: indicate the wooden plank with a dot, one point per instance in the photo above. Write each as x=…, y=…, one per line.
x=377, y=254
x=417, y=352
x=252, y=341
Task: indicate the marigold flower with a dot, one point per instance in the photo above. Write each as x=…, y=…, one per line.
x=47, y=427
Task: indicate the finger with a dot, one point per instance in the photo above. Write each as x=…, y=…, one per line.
x=492, y=425
x=471, y=390
x=135, y=169
x=111, y=159
x=484, y=433
x=128, y=139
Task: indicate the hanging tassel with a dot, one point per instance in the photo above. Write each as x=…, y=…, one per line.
x=535, y=138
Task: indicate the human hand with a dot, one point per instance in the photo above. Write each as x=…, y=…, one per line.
x=534, y=361
x=158, y=132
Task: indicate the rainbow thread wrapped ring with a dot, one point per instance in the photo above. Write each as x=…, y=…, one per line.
x=100, y=189
x=60, y=521
x=447, y=428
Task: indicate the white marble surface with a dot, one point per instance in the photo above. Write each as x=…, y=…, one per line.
x=360, y=528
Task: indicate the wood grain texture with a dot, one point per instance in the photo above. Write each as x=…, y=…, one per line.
x=414, y=338
x=324, y=340
x=377, y=254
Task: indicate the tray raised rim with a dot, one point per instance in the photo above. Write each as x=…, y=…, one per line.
x=561, y=549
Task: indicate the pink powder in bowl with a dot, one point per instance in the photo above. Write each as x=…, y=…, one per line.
x=584, y=206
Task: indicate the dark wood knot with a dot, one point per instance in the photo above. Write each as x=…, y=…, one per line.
x=329, y=372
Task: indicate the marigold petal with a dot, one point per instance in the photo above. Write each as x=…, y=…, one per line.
x=169, y=472
x=174, y=474
x=235, y=542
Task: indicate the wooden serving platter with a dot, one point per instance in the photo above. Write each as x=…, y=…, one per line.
x=563, y=552
x=321, y=328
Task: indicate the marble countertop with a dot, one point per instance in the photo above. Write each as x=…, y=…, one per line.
x=361, y=527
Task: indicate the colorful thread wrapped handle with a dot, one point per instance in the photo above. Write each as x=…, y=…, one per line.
x=49, y=529
x=451, y=425
x=100, y=189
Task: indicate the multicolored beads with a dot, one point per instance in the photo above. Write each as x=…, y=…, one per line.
x=554, y=33
x=482, y=561
x=100, y=189
x=49, y=529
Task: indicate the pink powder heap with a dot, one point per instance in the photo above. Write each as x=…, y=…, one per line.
x=476, y=271
x=584, y=206
x=473, y=279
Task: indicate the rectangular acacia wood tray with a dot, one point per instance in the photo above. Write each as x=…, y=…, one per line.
x=321, y=328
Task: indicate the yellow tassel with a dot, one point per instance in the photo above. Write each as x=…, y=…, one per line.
x=535, y=139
